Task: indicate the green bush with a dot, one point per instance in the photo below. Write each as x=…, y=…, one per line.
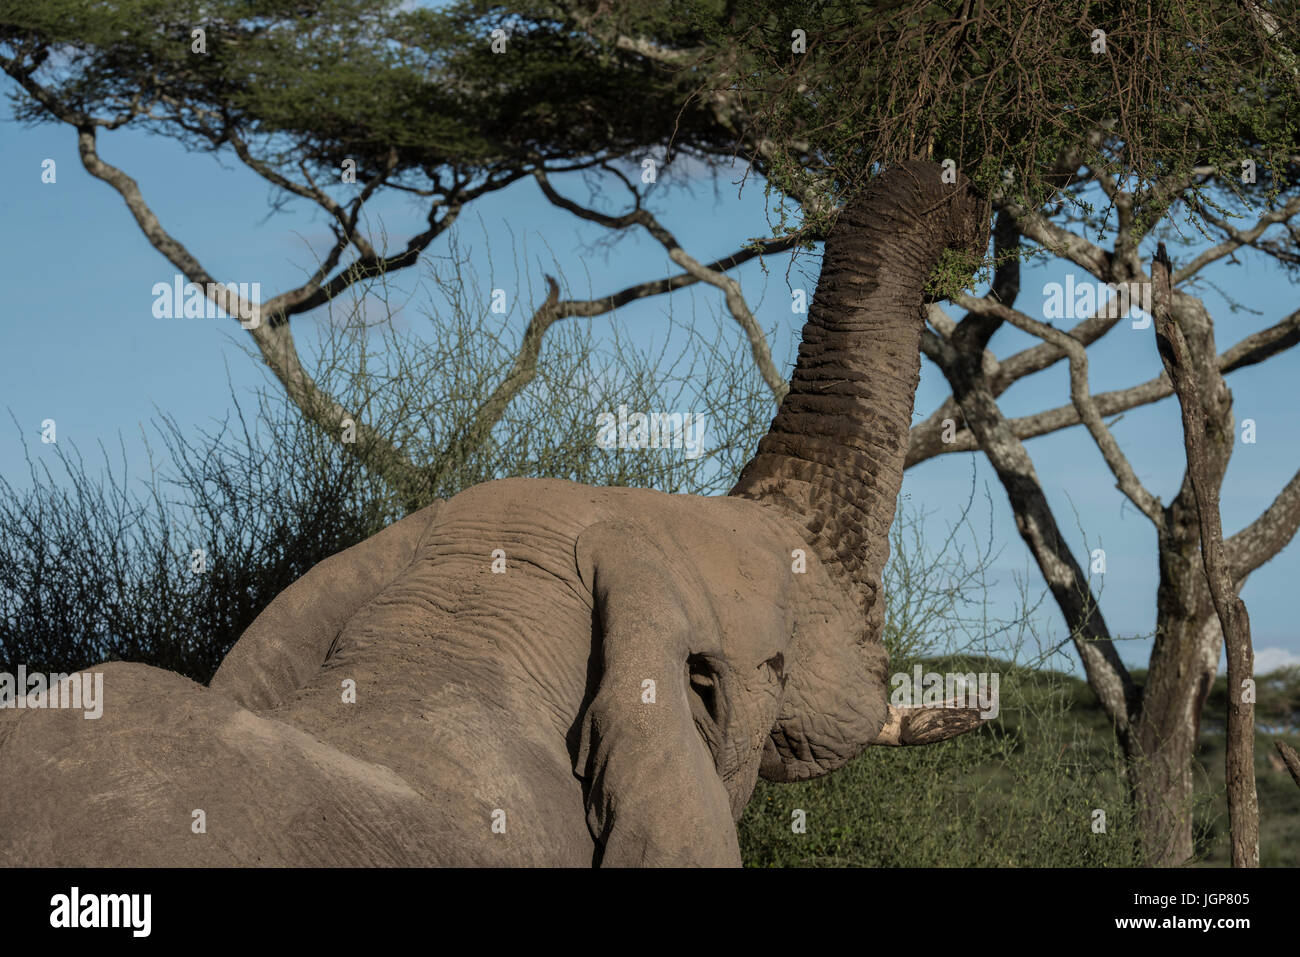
x=1019, y=792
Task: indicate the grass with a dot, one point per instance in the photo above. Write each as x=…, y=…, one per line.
x=1040, y=786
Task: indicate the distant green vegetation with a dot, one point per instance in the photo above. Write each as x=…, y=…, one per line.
x=1021, y=792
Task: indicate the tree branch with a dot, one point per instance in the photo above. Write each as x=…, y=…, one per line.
x=1236, y=239
x=905, y=727
x=1289, y=758
x=1126, y=479
x=924, y=441
x=735, y=299
x=1267, y=535
x=1061, y=242
x=275, y=342
x=1105, y=671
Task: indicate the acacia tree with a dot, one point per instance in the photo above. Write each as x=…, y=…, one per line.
x=1157, y=110
x=332, y=102
x=1040, y=105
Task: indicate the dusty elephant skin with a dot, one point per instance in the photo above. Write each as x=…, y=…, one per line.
x=610, y=698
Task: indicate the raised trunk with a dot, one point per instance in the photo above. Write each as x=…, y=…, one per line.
x=833, y=458
x=834, y=454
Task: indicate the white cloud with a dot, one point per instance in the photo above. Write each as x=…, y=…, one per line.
x=1268, y=660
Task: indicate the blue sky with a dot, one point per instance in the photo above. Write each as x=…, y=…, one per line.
x=82, y=346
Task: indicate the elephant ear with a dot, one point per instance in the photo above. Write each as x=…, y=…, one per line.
x=289, y=641
x=652, y=791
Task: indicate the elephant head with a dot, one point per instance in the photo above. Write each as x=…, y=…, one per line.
x=751, y=669
x=691, y=634
x=832, y=460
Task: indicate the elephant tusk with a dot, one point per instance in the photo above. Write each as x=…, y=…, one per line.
x=912, y=726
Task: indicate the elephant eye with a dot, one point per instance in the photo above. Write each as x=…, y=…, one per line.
x=703, y=683
x=777, y=664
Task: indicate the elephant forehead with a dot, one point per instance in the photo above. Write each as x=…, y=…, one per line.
x=773, y=566
x=741, y=565
x=741, y=543
x=736, y=562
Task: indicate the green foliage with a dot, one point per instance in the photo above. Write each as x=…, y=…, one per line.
x=1009, y=90
x=1019, y=792
x=94, y=567
x=424, y=387
x=957, y=270
x=413, y=92
x=1013, y=92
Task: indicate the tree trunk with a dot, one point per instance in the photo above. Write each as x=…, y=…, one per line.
x=1189, y=357
x=1106, y=674
x=1157, y=727
x=1184, y=661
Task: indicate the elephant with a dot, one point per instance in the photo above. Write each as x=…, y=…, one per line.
x=536, y=672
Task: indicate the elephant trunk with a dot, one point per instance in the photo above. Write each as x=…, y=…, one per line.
x=833, y=458
x=834, y=453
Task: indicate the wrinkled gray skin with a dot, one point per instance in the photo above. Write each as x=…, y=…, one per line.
x=475, y=691
x=610, y=698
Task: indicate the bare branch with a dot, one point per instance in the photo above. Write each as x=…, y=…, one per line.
x=1255, y=348
x=1290, y=758
x=348, y=221
x=273, y=340
x=1061, y=242
x=1267, y=535
x=1106, y=673
x=313, y=294
x=522, y=371
x=524, y=367
x=1236, y=239
x=733, y=296
x=280, y=354
x=1125, y=477
x=915, y=726
x=1125, y=251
